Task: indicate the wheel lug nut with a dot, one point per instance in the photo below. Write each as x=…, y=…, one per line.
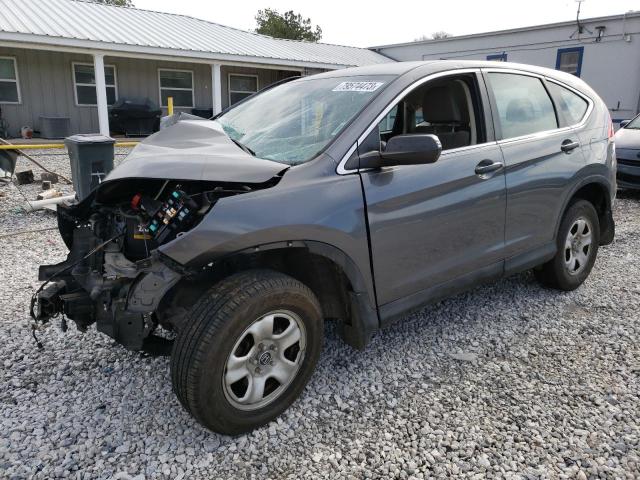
x=258, y=370
x=272, y=347
x=260, y=346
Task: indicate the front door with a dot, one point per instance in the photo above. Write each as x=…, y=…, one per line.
x=436, y=227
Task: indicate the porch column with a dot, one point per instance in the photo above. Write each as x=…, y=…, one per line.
x=101, y=94
x=216, y=88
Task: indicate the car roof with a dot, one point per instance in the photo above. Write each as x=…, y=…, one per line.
x=433, y=66
x=391, y=68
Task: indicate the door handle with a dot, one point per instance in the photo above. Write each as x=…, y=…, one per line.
x=488, y=166
x=569, y=145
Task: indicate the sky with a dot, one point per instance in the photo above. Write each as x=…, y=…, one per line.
x=371, y=23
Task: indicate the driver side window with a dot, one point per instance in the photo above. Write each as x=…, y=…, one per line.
x=386, y=125
x=447, y=107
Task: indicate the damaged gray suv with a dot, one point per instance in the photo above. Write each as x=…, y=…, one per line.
x=356, y=196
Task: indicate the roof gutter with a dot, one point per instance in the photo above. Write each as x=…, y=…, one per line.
x=92, y=47
x=546, y=26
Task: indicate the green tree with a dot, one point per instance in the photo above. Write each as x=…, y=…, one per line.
x=433, y=36
x=119, y=3
x=440, y=34
x=289, y=25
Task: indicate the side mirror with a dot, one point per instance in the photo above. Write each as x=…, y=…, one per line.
x=409, y=149
x=624, y=123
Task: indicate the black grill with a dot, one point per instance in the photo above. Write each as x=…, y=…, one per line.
x=623, y=177
x=134, y=117
x=631, y=163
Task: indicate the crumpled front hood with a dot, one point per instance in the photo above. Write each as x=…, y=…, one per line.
x=194, y=150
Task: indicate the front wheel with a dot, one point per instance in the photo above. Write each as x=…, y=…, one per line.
x=577, y=242
x=247, y=350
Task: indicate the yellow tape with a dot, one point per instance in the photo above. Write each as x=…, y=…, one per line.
x=31, y=146
x=45, y=146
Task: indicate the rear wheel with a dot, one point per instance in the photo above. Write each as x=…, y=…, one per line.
x=247, y=351
x=577, y=242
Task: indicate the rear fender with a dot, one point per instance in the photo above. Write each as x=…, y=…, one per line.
x=607, y=224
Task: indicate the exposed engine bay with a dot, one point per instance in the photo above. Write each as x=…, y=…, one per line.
x=113, y=275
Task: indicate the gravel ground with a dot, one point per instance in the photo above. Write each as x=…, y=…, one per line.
x=506, y=381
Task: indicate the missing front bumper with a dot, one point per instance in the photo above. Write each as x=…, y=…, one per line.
x=122, y=306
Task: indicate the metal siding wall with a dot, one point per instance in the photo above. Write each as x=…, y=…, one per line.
x=265, y=78
x=313, y=71
x=139, y=78
x=19, y=115
x=46, y=88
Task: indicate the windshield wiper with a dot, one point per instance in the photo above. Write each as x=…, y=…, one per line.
x=243, y=147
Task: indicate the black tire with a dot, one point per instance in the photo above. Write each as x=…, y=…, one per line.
x=556, y=273
x=213, y=326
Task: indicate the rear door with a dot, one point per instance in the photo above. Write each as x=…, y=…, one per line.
x=435, y=227
x=540, y=157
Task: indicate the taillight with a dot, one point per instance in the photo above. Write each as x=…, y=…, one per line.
x=611, y=132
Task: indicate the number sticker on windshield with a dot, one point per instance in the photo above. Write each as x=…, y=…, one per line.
x=358, y=87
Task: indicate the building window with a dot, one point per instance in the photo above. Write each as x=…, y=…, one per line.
x=84, y=82
x=498, y=57
x=241, y=86
x=570, y=60
x=9, y=84
x=177, y=84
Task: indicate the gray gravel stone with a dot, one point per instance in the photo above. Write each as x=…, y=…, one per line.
x=507, y=381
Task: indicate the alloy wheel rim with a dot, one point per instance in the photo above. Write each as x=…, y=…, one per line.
x=577, y=246
x=264, y=360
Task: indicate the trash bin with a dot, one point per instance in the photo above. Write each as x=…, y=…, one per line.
x=91, y=157
x=8, y=159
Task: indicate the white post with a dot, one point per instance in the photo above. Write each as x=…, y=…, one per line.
x=101, y=94
x=216, y=88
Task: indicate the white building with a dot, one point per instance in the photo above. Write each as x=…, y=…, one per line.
x=605, y=52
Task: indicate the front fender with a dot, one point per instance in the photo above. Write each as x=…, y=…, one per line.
x=317, y=210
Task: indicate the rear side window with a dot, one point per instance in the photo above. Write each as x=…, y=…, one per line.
x=524, y=106
x=571, y=106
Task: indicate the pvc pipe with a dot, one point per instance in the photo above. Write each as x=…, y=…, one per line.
x=47, y=194
x=39, y=204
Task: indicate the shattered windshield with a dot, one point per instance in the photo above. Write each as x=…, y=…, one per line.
x=293, y=122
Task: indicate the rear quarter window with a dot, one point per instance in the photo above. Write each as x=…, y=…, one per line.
x=570, y=105
x=523, y=104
